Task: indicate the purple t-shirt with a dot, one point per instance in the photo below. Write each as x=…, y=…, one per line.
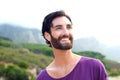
x=86, y=69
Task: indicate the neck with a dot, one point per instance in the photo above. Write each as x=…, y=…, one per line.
x=62, y=57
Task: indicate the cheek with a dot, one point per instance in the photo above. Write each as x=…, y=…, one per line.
x=55, y=34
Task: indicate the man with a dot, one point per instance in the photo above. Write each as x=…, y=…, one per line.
x=57, y=31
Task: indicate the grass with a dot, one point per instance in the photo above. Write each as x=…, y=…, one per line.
x=16, y=56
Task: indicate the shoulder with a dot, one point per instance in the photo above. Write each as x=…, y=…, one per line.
x=41, y=74
x=95, y=67
x=91, y=62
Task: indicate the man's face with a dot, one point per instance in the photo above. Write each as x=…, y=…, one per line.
x=61, y=33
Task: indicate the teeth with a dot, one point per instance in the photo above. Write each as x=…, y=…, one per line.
x=65, y=38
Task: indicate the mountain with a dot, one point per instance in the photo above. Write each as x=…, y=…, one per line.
x=92, y=44
x=88, y=44
x=21, y=34
x=113, y=53
x=26, y=35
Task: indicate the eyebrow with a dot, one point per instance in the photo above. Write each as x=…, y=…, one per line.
x=59, y=25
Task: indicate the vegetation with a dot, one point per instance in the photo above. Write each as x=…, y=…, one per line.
x=13, y=72
x=92, y=54
x=23, y=58
x=2, y=69
x=37, y=48
x=5, y=38
x=5, y=41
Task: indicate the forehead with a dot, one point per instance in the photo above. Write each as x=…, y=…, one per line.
x=60, y=20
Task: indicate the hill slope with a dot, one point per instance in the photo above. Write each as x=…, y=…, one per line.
x=20, y=34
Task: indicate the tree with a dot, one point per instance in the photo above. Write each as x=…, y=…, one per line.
x=92, y=54
x=13, y=72
x=2, y=69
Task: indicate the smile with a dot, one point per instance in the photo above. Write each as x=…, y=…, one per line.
x=65, y=39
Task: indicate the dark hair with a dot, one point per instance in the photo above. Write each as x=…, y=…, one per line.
x=47, y=22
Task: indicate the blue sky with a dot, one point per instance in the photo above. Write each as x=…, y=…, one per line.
x=91, y=18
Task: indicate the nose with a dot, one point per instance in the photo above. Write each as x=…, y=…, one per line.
x=65, y=31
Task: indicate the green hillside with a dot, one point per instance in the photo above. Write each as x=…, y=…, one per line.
x=16, y=56
x=22, y=59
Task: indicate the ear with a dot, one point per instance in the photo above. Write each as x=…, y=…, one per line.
x=47, y=36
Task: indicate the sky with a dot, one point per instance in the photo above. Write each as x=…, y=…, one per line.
x=91, y=18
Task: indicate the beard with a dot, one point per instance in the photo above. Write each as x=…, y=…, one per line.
x=62, y=46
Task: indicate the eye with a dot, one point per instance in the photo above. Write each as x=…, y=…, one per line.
x=69, y=26
x=58, y=27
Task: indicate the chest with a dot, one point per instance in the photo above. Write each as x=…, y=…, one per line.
x=61, y=72
x=75, y=74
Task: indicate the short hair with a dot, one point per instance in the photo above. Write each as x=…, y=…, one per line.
x=47, y=22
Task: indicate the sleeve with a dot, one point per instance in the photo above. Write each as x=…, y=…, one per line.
x=100, y=71
x=40, y=75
